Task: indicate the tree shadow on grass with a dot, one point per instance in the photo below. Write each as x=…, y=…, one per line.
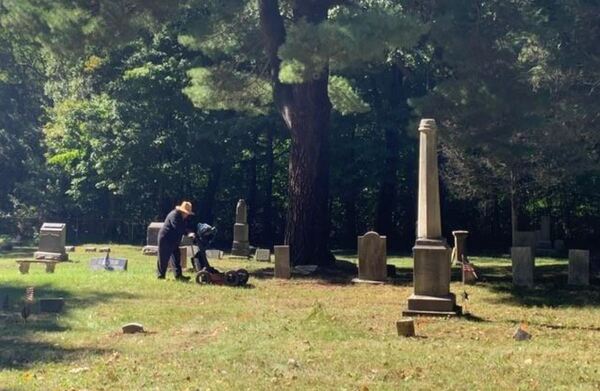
x=18, y=252
x=341, y=274
x=21, y=341
x=550, y=289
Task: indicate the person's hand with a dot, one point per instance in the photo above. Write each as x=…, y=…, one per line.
x=191, y=235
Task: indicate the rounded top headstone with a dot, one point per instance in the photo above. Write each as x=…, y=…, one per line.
x=427, y=125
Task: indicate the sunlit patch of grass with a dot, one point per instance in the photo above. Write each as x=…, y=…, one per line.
x=306, y=333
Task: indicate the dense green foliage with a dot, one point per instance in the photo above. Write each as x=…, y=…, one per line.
x=116, y=110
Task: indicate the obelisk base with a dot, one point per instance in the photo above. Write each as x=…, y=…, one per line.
x=432, y=306
x=431, y=277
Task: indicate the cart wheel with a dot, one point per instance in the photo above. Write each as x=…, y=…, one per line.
x=231, y=278
x=203, y=277
x=243, y=276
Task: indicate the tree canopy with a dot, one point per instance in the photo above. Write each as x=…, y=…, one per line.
x=117, y=110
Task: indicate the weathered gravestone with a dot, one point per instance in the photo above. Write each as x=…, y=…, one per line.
x=523, y=265
x=431, y=273
x=372, y=258
x=214, y=254
x=241, y=244
x=151, y=247
x=406, y=327
x=182, y=256
x=460, y=244
x=52, y=242
x=579, y=267
x=283, y=268
x=263, y=255
x=108, y=264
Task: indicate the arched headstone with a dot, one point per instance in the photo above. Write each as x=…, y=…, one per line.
x=372, y=257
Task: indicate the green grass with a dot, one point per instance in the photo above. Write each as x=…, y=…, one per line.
x=298, y=334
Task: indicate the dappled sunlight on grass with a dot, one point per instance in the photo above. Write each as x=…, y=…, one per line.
x=305, y=333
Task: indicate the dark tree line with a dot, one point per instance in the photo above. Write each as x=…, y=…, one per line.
x=115, y=111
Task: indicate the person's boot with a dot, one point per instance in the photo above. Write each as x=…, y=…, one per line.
x=182, y=278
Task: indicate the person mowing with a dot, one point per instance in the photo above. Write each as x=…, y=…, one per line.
x=169, y=239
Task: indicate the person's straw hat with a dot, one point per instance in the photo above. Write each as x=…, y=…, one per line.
x=185, y=207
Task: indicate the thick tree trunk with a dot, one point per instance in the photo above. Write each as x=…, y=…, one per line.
x=268, y=235
x=305, y=109
x=386, y=203
x=307, y=230
x=514, y=207
x=388, y=191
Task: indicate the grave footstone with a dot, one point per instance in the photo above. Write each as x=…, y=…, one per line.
x=52, y=242
x=406, y=327
x=372, y=257
x=431, y=274
x=104, y=250
x=579, y=267
x=523, y=265
x=241, y=244
x=90, y=249
x=70, y=249
x=132, y=328
x=282, y=262
x=263, y=255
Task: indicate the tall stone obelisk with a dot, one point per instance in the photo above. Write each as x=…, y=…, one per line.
x=431, y=253
x=241, y=245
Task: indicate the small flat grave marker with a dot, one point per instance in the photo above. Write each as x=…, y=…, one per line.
x=90, y=249
x=108, y=264
x=104, y=249
x=263, y=255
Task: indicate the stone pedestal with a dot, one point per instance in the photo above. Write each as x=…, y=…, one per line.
x=523, y=265
x=283, y=269
x=52, y=242
x=579, y=267
x=241, y=244
x=431, y=253
x=372, y=257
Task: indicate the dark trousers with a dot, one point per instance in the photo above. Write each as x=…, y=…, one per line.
x=166, y=251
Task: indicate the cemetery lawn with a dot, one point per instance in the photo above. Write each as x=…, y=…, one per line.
x=299, y=334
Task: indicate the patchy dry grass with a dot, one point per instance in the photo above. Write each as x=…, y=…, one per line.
x=298, y=334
